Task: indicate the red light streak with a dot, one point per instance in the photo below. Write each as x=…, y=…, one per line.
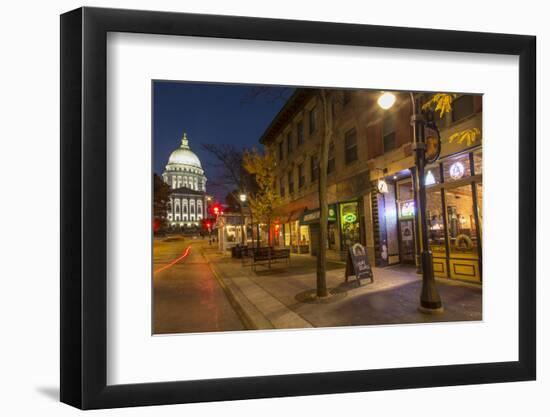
x=175, y=261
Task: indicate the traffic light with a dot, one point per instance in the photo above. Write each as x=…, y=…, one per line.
x=216, y=209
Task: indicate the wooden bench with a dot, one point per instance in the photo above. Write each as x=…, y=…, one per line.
x=269, y=255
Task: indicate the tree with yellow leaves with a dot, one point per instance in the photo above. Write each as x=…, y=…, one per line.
x=265, y=201
x=443, y=103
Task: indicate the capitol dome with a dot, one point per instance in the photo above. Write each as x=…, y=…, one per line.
x=184, y=156
x=184, y=168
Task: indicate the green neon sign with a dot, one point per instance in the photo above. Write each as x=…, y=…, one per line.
x=349, y=218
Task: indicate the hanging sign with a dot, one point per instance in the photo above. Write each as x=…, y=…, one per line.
x=382, y=186
x=433, y=142
x=358, y=264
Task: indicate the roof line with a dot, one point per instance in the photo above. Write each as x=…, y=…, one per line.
x=288, y=111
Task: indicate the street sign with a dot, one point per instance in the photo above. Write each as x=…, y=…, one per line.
x=312, y=216
x=358, y=264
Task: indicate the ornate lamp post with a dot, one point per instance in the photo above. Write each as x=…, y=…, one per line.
x=242, y=198
x=430, y=301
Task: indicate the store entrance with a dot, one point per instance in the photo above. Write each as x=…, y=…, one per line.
x=406, y=241
x=406, y=215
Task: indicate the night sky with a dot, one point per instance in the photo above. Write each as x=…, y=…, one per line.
x=209, y=113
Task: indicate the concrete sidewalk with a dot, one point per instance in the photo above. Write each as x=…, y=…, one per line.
x=283, y=297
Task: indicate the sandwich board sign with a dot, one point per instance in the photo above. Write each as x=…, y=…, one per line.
x=358, y=264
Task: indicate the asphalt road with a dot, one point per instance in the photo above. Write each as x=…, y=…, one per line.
x=187, y=296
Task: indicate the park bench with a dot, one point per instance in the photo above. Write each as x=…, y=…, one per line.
x=239, y=251
x=268, y=256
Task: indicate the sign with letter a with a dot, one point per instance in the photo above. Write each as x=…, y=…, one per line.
x=358, y=264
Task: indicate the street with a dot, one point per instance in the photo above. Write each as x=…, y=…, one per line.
x=187, y=296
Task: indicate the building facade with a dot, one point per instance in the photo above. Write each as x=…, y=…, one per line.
x=185, y=176
x=370, y=146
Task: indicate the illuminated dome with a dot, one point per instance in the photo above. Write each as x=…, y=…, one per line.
x=184, y=169
x=184, y=155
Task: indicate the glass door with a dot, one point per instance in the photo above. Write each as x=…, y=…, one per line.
x=406, y=216
x=407, y=246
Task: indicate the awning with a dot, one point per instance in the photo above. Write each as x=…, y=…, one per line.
x=294, y=215
x=312, y=216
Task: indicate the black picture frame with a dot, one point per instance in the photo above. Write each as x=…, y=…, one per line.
x=84, y=207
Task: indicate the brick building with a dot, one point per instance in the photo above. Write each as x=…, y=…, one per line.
x=371, y=145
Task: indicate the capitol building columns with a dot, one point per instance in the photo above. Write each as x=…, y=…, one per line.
x=185, y=176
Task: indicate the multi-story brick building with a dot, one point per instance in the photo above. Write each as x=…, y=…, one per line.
x=369, y=145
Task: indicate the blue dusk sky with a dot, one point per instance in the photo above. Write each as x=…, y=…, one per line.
x=208, y=113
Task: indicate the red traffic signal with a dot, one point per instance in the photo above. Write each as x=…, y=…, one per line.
x=216, y=209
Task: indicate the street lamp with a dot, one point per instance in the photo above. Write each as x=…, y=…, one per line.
x=242, y=197
x=386, y=100
x=430, y=301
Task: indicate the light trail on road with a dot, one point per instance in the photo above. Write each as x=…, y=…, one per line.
x=175, y=261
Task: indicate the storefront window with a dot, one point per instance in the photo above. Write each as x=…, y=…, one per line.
x=287, y=234
x=231, y=233
x=456, y=168
x=461, y=221
x=294, y=232
x=349, y=223
x=304, y=235
x=277, y=237
x=479, y=190
x=435, y=221
x=432, y=175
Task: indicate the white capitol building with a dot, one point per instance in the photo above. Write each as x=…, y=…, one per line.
x=185, y=176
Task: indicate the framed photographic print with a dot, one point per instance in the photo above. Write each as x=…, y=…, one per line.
x=258, y=208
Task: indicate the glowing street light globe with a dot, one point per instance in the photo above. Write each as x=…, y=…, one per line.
x=386, y=100
x=242, y=197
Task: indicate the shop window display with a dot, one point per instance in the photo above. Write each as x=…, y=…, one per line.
x=461, y=222
x=349, y=222
x=436, y=225
x=456, y=168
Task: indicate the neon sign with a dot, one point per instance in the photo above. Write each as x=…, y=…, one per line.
x=350, y=218
x=407, y=209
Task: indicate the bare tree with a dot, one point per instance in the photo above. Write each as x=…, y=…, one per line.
x=326, y=137
x=232, y=175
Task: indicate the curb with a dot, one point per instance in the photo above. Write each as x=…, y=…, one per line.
x=245, y=318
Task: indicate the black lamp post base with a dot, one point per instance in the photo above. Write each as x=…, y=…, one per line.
x=425, y=310
x=430, y=302
x=418, y=264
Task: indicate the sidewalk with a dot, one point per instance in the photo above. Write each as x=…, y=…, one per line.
x=283, y=296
